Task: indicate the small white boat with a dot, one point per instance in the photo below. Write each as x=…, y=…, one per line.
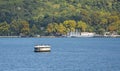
x=42, y=48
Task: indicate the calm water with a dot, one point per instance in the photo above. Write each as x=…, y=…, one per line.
x=68, y=54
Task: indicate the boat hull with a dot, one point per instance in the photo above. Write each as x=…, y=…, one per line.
x=42, y=49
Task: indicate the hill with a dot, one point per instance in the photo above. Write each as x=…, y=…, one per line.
x=30, y=17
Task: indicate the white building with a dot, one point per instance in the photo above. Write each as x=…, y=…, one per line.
x=82, y=34
x=73, y=34
x=87, y=34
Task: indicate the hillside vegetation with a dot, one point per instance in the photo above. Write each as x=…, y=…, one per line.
x=58, y=17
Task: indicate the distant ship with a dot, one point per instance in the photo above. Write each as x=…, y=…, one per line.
x=42, y=48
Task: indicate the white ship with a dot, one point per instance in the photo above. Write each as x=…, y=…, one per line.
x=42, y=48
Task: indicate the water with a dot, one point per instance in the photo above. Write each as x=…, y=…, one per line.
x=68, y=54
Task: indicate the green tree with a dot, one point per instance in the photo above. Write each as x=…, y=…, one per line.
x=69, y=25
x=61, y=29
x=24, y=28
x=104, y=23
x=34, y=30
x=112, y=28
x=101, y=31
x=115, y=26
x=4, y=29
x=82, y=26
x=14, y=28
x=52, y=28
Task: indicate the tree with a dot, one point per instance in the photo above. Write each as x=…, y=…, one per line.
x=115, y=26
x=61, y=29
x=4, y=29
x=103, y=23
x=112, y=19
x=82, y=26
x=69, y=25
x=14, y=28
x=112, y=28
x=24, y=28
x=101, y=31
x=52, y=28
x=34, y=30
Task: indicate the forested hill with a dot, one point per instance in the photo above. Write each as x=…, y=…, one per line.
x=30, y=17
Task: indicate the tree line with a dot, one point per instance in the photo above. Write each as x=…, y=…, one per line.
x=32, y=17
x=18, y=28
x=81, y=26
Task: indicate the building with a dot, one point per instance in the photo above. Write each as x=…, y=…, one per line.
x=87, y=34
x=82, y=34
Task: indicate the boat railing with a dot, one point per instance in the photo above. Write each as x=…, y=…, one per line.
x=43, y=45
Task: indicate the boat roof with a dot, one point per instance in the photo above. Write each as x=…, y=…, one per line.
x=42, y=46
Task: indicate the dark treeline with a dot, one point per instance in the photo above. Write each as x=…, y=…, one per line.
x=32, y=17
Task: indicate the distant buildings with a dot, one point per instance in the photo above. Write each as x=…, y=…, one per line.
x=82, y=34
x=113, y=34
x=91, y=34
x=87, y=34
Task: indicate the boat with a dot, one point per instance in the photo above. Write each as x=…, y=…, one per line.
x=42, y=48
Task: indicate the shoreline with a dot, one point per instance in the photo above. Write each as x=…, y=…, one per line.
x=10, y=36
x=60, y=37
